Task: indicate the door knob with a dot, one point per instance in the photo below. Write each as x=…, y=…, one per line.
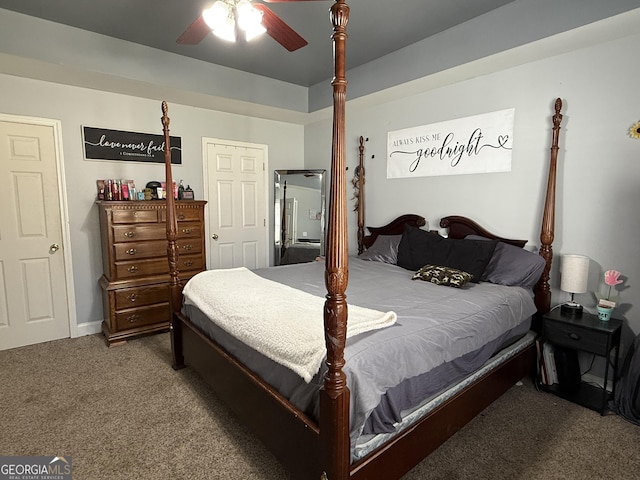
x=214, y=236
x=54, y=247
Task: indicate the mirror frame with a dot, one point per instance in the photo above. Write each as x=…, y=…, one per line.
x=278, y=192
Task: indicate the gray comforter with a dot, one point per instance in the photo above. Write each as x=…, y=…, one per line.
x=442, y=331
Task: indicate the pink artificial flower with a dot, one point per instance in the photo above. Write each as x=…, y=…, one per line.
x=611, y=278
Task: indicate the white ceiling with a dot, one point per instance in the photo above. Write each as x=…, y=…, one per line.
x=376, y=27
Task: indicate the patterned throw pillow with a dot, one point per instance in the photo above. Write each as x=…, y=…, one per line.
x=450, y=277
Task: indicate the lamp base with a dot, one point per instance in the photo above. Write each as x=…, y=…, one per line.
x=571, y=309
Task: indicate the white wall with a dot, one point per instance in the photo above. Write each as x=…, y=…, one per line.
x=76, y=107
x=598, y=191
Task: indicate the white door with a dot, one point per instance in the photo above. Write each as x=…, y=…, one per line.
x=33, y=284
x=236, y=176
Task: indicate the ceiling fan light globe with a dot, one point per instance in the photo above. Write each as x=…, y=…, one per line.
x=248, y=17
x=226, y=32
x=218, y=15
x=243, y=6
x=254, y=31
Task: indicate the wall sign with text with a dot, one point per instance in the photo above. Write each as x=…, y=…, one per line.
x=103, y=144
x=477, y=144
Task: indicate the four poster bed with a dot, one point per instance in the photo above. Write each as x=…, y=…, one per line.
x=347, y=418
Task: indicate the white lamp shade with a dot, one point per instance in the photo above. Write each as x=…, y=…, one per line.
x=574, y=273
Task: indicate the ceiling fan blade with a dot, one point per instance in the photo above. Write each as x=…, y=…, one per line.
x=279, y=30
x=194, y=33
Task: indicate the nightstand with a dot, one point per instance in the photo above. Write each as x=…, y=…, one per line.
x=584, y=334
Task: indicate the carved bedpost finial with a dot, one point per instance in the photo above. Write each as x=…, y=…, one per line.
x=557, y=118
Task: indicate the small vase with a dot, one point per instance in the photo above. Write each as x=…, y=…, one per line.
x=604, y=313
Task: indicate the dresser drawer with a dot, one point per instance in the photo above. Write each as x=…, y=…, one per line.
x=189, y=263
x=189, y=245
x=129, y=251
x=183, y=215
x=141, y=296
x=156, y=266
x=576, y=337
x=138, y=233
x=137, y=317
x=141, y=268
x=134, y=216
x=189, y=230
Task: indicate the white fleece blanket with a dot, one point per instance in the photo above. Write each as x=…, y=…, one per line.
x=283, y=323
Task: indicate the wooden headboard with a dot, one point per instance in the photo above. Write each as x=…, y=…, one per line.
x=395, y=227
x=460, y=227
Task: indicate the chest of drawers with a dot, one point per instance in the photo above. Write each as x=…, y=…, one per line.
x=135, y=280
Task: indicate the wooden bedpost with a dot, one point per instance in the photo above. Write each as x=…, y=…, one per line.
x=334, y=396
x=543, y=290
x=175, y=292
x=360, y=195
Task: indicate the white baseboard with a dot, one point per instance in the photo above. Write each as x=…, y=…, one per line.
x=89, y=328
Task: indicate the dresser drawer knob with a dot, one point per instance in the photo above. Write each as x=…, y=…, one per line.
x=131, y=251
x=573, y=336
x=130, y=234
x=133, y=297
x=187, y=247
x=133, y=318
x=181, y=216
x=188, y=263
x=132, y=269
x=186, y=230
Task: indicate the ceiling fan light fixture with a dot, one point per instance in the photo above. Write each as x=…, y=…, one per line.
x=219, y=18
x=249, y=19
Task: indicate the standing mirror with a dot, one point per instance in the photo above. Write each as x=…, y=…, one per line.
x=299, y=215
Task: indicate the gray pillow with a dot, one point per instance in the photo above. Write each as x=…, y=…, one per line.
x=512, y=266
x=384, y=249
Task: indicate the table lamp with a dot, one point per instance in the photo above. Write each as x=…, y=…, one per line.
x=574, y=273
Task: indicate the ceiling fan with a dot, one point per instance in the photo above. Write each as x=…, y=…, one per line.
x=275, y=27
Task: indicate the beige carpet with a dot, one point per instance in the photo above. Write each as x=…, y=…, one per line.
x=124, y=413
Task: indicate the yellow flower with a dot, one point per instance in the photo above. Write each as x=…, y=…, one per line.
x=634, y=130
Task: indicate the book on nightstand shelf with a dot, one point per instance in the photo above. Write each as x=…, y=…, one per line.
x=542, y=373
x=548, y=351
x=547, y=372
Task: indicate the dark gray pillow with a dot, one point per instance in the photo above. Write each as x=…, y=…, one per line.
x=511, y=265
x=419, y=247
x=384, y=249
